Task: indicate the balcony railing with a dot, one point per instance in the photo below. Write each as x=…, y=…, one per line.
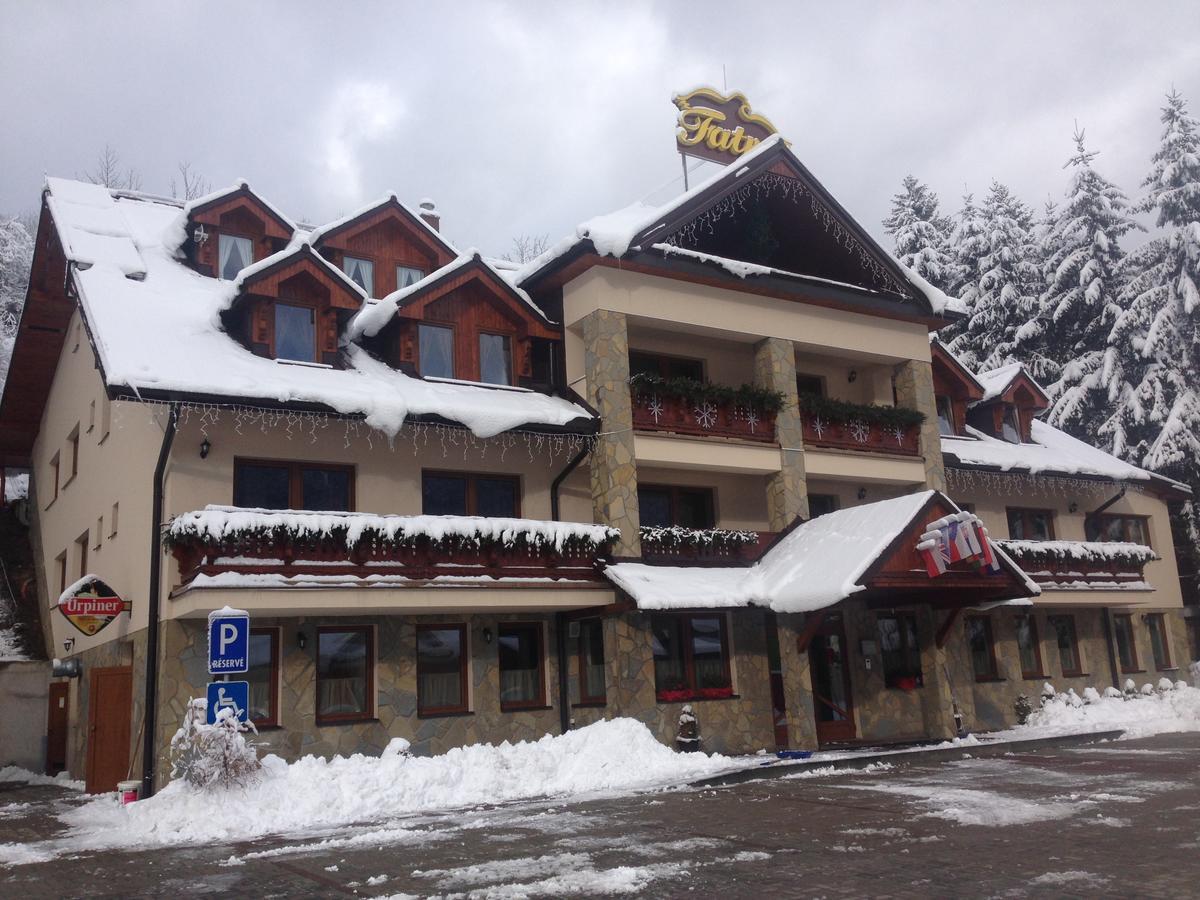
x=837, y=425
x=702, y=547
x=221, y=539
x=1082, y=565
x=683, y=406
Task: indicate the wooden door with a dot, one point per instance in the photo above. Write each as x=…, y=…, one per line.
x=108, y=728
x=829, y=664
x=56, y=727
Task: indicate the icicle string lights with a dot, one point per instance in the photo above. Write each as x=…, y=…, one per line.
x=967, y=483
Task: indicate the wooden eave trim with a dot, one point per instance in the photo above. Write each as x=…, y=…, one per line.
x=318, y=266
x=211, y=212
x=973, y=390
x=376, y=215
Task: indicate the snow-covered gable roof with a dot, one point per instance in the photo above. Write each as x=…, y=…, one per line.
x=159, y=333
x=997, y=382
x=176, y=233
x=819, y=563
x=390, y=199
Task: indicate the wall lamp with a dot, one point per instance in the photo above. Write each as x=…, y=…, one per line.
x=853, y=376
x=1074, y=507
x=205, y=446
x=862, y=493
x=301, y=639
x=487, y=635
x=68, y=644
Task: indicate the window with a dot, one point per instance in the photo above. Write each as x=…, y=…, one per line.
x=81, y=548
x=1158, y=640
x=441, y=669
x=105, y=417
x=522, y=678
x=436, y=350
x=495, y=359
x=1010, y=426
x=945, y=413
x=1068, y=645
x=61, y=563
x=91, y=416
x=361, y=272
x=345, y=673
x=295, y=333
x=112, y=520
x=408, y=275
x=662, y=506
x=73, y=447
x=901, y=651
x=1126, y=646
x=591, y=661
x=98, y=534
x=1028, y=647
x=691, y=657
x=810, y=385
x=644, y=363
x=54, y=467
x=1133, y=529
x=263, y=484
x=234, y=254
x=263, y=676
x=820, y=504
x=1030, y=524
x=467, y=494
x=983, y=648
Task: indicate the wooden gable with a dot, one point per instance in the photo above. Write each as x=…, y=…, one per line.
x=1022, y=394
x=952, y=379
x=238, y=212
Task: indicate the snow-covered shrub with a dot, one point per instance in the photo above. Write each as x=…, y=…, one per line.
x=1048, y=693
x=1091, y=695
x=1111, y=692
x=214, y=755
x=1130, y=688
x=1023, y=709
x=1147, y=690
x=396, y=747
x=1165, y=684
x=1073, y=698
x=1180, y=685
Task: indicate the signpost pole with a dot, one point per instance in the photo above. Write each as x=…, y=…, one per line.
x=683, y=158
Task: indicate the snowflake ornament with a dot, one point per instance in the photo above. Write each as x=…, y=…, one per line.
x=860, y=431
x=656, y=408
x=706, y=415
x=898, y=433
x=819, y=426
x=752, y=420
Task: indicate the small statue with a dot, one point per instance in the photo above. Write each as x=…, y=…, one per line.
x=687, y=740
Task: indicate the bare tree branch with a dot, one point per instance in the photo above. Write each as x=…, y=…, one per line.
x=109, y=173
x=190, y=185
x=526, y=247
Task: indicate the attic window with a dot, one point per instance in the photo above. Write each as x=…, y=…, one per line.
x=408, y=275
x=436, y=350
x=235, y=254
x=1010, y=428
x=295, y=333
x=361, y=272
x=945, y=413
x=495, y=359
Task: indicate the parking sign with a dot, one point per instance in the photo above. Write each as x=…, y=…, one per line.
x=231, y=695
x=228, y=643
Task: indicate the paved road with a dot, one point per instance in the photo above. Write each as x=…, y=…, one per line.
x=1117, y=819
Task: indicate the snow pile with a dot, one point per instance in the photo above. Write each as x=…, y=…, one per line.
x=615, y=755
x=996, y=381
x=1156, y=711
x=62, y=779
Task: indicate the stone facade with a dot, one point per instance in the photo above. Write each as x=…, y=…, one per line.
x=787, y=492
x=613, y=464
x=914, y=389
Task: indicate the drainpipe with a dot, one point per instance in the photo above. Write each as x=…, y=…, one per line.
x=561, y=477
x=152, y=603
x=1103, y=506
x=560, y=619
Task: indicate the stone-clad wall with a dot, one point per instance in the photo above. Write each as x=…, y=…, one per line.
x=914, y=389
x=787, y=492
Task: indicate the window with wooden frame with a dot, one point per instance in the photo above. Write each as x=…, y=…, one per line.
x=810, y=385
x=91, y=416
x=945, y=414
x=441, y=669
x=822, y=504
x=436, y=350
x=406, y=276
x=1156, y=624
x=73, y=453
x=112, y=520
x=495, y=358
x=345, y=673
x=901, y=651
x=81, y=552
x=98, y=533
x=1068, y=645
x=361, y=272
x=1030, y=524
x=522, y=666
x=663, y=506
x=1126, y=643
x=295, y=332
x=590, y=651
x=263, y=677
x=1131, y=529
x=1028, y=647
x=1010, y=425
x=470, y=494
x=54, y=478
x=983, y=648
x=60, y=562
x=644, y=362
x=234, y=253
x=691, y=657
x=278, y=484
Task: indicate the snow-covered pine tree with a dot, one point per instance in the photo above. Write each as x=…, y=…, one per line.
x=967, y=245
x=920, y=233
x=1006, y=295
x=16, y=256
x=1080, y=305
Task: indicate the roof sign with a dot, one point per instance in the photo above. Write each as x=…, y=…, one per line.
x=718, y=127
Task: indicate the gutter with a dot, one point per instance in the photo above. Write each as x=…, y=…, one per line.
x=153, y=601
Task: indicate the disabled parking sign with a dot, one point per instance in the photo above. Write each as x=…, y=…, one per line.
x=231, y=695
x=228, y=641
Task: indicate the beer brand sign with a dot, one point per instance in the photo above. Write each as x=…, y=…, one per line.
x=718, y=127
x=90, y=605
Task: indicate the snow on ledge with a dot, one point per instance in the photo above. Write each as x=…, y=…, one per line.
x=1082, y=551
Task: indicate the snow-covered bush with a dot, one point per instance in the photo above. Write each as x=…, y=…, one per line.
x=1147, y=690
x=1111, y=692
x=1165, y=684
x=1091, y=695
x=1023, y=709
x=1073, y=698
x=1130, y=689
x=216, y=755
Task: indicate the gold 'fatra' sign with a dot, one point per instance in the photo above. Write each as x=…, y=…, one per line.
x=718, y=127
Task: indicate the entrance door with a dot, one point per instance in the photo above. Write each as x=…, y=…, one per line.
x=108, y=729
x=829, y=664
x=56, y=727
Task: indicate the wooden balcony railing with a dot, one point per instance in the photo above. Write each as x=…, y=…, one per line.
x=1082, y=564
x=220, y=540
x=838, y=425
x=708, y=547
x=685, y=406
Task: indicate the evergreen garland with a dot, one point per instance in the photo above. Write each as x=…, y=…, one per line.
x=842, y=412
x=747, y=395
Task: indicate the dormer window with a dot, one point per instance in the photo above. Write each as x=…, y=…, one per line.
x=437, y=350
x=495, y=359
x=945, y=414
x=361, y=272
x=295, y=333
x=235, y=253
x=1010, y=427
x=408, y=275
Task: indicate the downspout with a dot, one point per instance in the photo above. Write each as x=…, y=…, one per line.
x=1103, y=506
x=560, y=619
x=152, y=604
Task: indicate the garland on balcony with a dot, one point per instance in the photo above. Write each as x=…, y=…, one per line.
x=1119, y=552
x=840, y=412
x=748, y=395
x=676, y=538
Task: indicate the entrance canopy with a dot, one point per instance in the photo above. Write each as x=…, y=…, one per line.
x=870, y=550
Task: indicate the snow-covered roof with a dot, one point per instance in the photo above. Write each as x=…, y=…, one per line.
x=156, y=327
x=390, y=197
x=819, y=563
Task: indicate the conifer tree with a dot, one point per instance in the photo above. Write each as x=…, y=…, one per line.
x=16, y=255
x=920, y=233
x=966, y=247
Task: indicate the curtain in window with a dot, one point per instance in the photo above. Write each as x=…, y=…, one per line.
x=495, y=360
x=439, y=668
x=235, y=254
x=708, y=657
x=407, y=275
x=341, y=673
x=440, y=690
x=1026, y=642
x=437, y=351
x=295, y=333
x=518, y=685
x=520, y=665
x=669, y=671
x=362, y=273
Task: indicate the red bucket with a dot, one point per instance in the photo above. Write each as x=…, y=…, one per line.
x=129, y=791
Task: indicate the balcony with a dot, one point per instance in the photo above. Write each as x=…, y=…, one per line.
x=318, y=547
x=685, y=406
x=702, y=547
x=1082, y=565
x=837, y=425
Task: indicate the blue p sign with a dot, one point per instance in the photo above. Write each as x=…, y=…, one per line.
x=228, y=644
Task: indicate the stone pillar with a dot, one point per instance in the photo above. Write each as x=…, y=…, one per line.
x=914, y=389
x=797, y=683
x=613, y=466
x=937, y=704
x=787, y=490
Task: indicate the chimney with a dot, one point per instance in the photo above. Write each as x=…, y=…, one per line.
x=428, y=211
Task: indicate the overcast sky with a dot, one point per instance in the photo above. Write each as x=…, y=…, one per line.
x=527, y=118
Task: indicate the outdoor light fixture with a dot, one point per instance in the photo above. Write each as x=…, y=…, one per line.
x=862, y=493
x=853, y=376
x=487, y=635
x=1074, y=507
x=68, y=644
x=301, y=640
x=205, y=446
